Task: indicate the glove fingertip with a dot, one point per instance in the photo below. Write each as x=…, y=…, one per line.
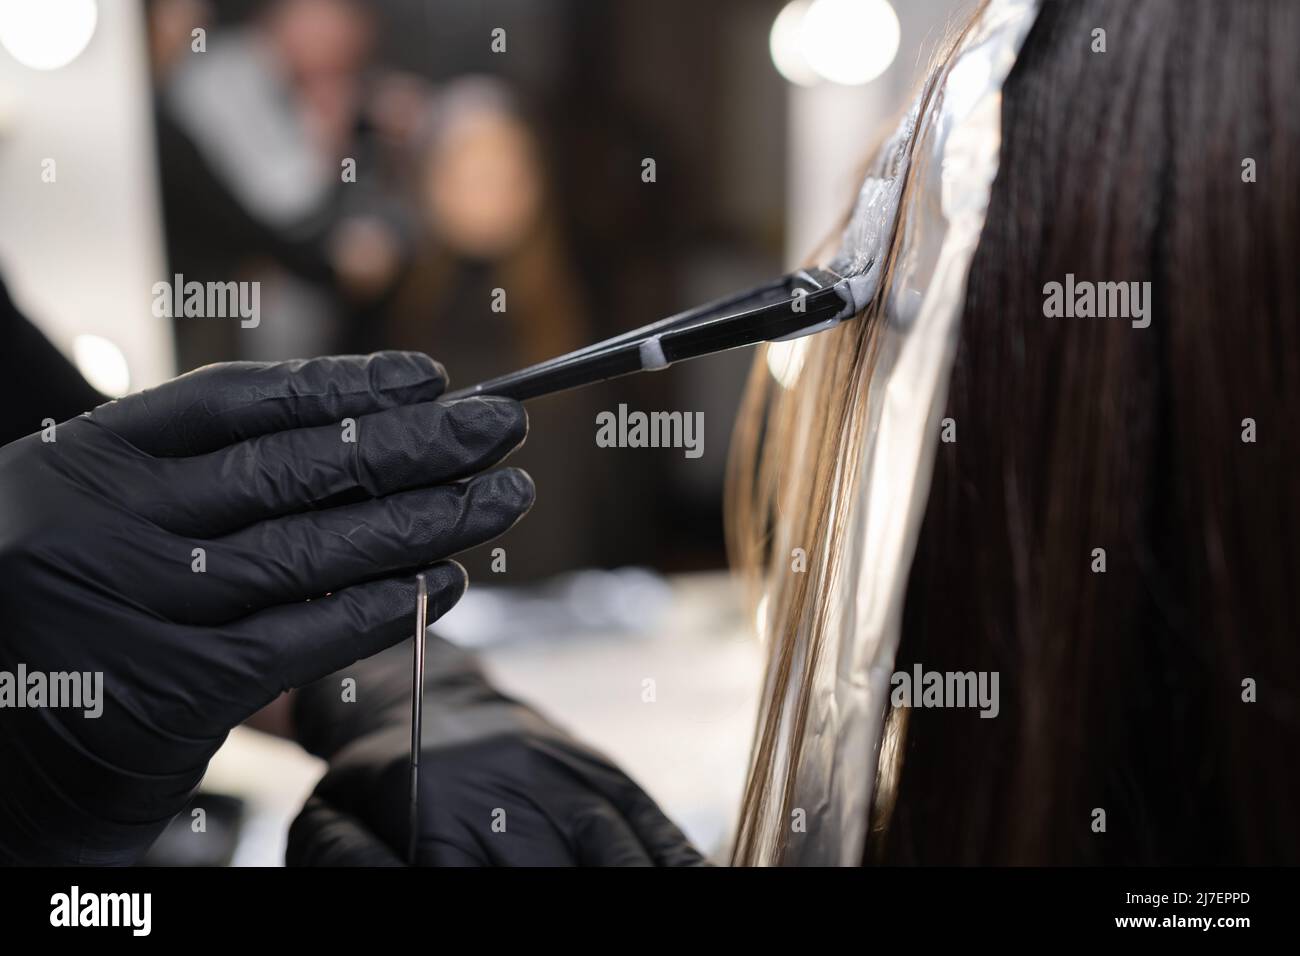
x=513, y=487
x=414, y=376
x=447, y=582
x=324, y=836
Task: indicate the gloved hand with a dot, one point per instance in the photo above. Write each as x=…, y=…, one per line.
x=499, y=784
x=207, y=544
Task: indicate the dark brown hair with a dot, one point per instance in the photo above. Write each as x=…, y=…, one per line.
x=1121, y=691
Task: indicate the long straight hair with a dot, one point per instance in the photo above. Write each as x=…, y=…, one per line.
x=1114, y=531
x=792, y=461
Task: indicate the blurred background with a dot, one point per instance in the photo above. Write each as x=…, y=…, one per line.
x=392, y=172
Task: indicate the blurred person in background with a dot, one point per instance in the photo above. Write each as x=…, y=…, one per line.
x=258, y=131
x=488, y=222
x=491, y=288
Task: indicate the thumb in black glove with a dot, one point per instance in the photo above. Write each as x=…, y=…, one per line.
x=208, y=544
x=499, y=784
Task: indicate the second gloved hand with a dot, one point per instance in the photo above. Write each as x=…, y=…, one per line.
x=202, y=546
x=499, y=784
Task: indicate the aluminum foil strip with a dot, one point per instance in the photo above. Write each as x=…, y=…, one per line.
x=953, y=151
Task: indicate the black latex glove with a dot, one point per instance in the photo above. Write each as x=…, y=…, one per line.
x=486, y=760
x=308, y=542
